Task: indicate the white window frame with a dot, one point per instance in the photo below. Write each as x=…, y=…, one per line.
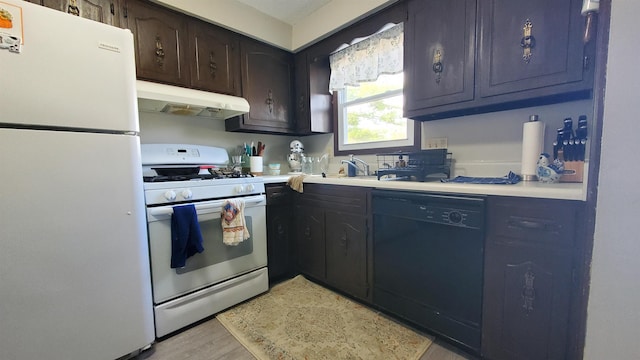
x=342, y=125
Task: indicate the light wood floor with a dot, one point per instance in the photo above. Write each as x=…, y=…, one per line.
x=209, y=340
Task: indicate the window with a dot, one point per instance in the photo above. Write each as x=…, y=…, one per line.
x=370, y=115
x=367, y=80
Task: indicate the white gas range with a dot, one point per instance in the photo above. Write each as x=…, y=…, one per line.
x=221, y=275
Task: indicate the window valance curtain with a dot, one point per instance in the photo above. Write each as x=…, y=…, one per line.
x=381, y=53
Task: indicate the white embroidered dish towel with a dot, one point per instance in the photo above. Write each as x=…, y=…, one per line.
x=234, y=229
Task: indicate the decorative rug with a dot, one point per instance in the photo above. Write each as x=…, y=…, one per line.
x=299, y=319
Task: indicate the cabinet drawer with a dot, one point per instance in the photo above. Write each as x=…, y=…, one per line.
x=278, y=194
x=533, y=221
x=338, y=198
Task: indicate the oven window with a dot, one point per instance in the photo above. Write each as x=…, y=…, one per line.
x=215, y=251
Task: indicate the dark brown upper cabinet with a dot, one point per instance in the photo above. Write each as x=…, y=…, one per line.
x=520, y=53
x=439, y=53
x=313, y=107
x=531, y=48
x=161, y=42
x=214, y=58
x=267, y=83
x=104, y=11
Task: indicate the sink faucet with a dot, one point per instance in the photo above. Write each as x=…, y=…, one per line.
x=353, y=161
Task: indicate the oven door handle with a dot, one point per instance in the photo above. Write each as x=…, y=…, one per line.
x=206, y=206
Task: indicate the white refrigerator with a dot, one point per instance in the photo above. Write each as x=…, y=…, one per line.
x=74, y=266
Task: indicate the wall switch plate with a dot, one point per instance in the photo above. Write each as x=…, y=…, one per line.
x=437, y=143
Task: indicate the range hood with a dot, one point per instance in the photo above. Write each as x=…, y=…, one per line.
x=153, y=97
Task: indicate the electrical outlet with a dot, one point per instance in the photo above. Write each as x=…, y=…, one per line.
x=437, y=143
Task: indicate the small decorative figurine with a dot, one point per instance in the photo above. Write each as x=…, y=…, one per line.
x=548, y=171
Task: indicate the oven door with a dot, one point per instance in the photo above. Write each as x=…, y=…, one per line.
x=218, y=262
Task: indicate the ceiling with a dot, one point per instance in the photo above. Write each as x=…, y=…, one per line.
x=288, y=11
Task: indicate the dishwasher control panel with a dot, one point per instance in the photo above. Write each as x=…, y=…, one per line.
x=458, y=211
x=456, y=217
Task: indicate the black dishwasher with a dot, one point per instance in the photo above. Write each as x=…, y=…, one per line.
x=428, y=261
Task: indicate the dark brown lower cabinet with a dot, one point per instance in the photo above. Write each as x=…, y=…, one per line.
x=530, y=253
x=526, y=303
x=332, y=241
x=279, y=230
x=346, y=252
x=310, y=246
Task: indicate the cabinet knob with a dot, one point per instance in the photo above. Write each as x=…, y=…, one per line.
x=528, y=291
x=528, y=42
x=344, y=242
x=213, y=65
x=159, y=51
x=531, y=224
x=437, y=64
x=270, y=101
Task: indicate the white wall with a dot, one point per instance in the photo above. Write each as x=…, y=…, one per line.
x=248, y=21
x=238, y=17
x=174, y=129
x=482, y=145
x=613, y=319
x=332, y=17
x=491, y=144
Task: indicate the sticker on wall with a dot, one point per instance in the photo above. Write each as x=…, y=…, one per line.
x=11, y=27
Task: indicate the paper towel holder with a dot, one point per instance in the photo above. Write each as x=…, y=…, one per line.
x=532, y=147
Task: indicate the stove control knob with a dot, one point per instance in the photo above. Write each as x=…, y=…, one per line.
x=250, y=187
x=239, y=189
x=170, y=195
x=186, y=194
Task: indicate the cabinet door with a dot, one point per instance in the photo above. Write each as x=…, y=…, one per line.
x=439, y=53
x=526, y=303
x=531, y=46
x=310, y=244
x=160, y=42
x=267, y=83
x=279, y=223
x=301, y=103
x=346, y=249
x=528, y=287
x=103, y=11
x=216, y=66
x=313, y=107
x=278, y=234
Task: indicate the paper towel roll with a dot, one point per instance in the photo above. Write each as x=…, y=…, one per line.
x=532, y=146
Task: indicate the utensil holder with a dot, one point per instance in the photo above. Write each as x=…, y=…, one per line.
x=255, y=164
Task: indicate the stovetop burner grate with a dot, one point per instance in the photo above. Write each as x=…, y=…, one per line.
x=195, y=177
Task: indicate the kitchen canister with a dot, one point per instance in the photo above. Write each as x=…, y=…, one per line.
x=532, y=146
x=255, y=164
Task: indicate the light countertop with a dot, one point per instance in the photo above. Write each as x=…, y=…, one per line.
x=533, y=189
